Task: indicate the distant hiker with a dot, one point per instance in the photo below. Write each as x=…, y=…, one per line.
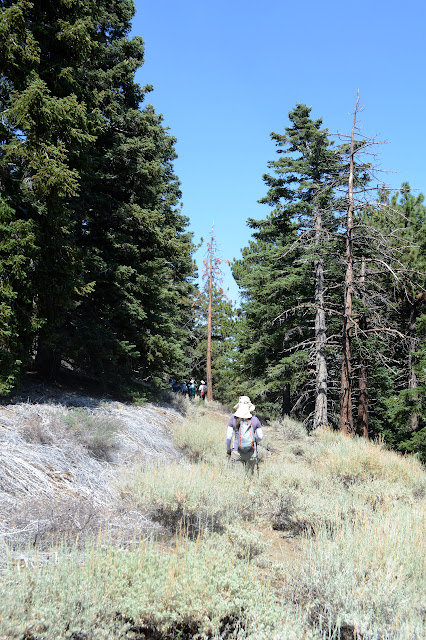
x=247, y=432
x=192, y=389
x=202, y=390
x=175, y=386
x=184, y=388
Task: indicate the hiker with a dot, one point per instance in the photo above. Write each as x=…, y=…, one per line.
x=247, y=432
x=202, y=390
x=175, y=386
x=184, y=388
x=192, y=389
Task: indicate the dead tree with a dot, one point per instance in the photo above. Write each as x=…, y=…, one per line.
x=346, y=421
x=362, y=421
x=213, y=274
x=320, y=415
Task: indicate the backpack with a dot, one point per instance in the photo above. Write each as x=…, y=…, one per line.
x=246, y=437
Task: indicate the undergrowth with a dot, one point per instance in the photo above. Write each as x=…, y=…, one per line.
x=328, y=543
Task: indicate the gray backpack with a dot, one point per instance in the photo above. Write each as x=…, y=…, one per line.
x=246, y=437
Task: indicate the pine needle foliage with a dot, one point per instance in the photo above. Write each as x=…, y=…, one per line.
x=87, y=177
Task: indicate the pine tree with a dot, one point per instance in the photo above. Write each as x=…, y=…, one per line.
x=292, y=248
x=405, y=409
x=45, y=129
x=91, y=176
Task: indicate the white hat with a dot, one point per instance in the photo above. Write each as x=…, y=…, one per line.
x=202, y=382
x=243, y=408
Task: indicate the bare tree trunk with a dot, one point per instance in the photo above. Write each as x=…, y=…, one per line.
x=286, y=405
x=320, y=416
x=413, y=346
x=209, y=325
x=47, y=361
x=346, y=420
x=362, y=421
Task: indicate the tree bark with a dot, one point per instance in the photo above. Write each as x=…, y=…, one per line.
x=286, y=405
x=209, y=325
x=47, y=361
x=362, y=420
x=320, y=415
x=413, y=346
x=346, y=420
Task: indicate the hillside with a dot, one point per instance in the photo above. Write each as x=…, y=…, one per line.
x=119, y=521
x=59, y=459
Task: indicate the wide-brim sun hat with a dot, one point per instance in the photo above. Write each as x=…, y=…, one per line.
x=243, y=412
x=244, y=408
x=202, y=382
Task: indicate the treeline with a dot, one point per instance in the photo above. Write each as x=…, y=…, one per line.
x=332, y=326
x=96, y=265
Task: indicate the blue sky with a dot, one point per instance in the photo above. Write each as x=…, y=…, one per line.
x=226, y=74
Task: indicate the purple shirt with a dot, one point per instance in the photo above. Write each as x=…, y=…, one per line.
x=233, y=431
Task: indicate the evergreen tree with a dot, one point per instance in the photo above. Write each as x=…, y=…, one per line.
x=291, y=252
x=90, y=178
x=405, y=413
x=45, y=130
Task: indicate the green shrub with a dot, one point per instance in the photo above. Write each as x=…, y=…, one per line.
x=96, y=432
x=195, y=497
x=106, y=592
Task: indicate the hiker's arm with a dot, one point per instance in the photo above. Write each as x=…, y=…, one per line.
x=257, y=429
x=229, y=434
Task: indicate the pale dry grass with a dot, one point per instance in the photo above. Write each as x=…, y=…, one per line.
x=196, y=497
x=202, y=438
x=58, y=466
x=366, y=573
x=359, y=459
x=353, y=511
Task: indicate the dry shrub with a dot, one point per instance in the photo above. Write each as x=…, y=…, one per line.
x=44, y=427
x=96, y=432
x=284, y=516
x=180, y=402
x=357, y=460
x=71, y=520
x=288, y=429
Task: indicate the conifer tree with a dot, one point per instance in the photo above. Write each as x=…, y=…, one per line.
x=292, y=247
x=89, y=177
x=45, y=130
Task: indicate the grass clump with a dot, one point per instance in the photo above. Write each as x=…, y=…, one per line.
x=197, y=497
x=356, y=460
x=201, y=439
x=367, y=574
x=96, y=432
x=289, y=429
